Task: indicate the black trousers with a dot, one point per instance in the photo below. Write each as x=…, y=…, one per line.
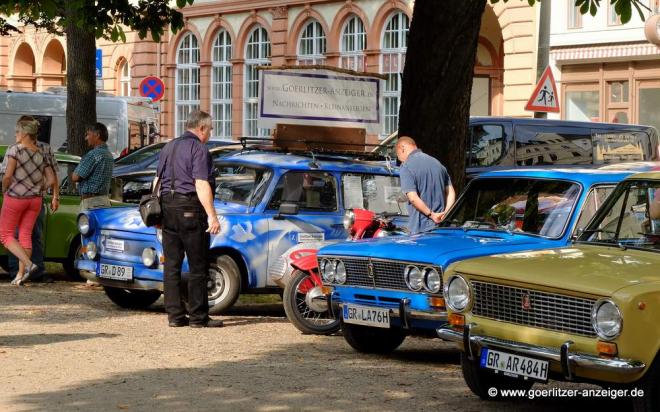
x=184, y=232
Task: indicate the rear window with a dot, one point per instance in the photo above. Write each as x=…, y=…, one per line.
x=545, y=145
x=622, y=146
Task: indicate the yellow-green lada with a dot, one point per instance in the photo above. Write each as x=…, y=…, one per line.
x=586, y=313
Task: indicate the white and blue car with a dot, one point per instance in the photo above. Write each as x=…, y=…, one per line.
x=267, y=201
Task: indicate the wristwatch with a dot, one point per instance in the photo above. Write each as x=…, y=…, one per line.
x=430, y=213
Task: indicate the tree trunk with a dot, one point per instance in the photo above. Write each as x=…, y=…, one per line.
x=437, y=79
x=81, y=87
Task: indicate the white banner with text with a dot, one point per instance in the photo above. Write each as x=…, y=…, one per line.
x=320, y=98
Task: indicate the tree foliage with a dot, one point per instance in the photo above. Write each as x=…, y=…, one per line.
x=622, y=7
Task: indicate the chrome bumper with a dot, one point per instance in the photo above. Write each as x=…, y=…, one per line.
x=568, y=360
x=135, y=284
x=404, y=313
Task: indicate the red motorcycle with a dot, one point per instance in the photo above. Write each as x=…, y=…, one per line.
x=304, y=295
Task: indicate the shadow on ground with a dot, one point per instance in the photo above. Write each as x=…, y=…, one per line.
x=18, y=341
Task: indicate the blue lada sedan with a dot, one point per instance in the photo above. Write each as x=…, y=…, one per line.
x=386, y=289
x=267, y=202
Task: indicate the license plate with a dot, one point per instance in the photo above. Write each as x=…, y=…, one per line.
x=365, y=315
x=114, y=244
x=116, y=272
x=515, y=366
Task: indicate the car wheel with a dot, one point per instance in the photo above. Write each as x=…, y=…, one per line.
x=481, y=381
x=650, y=384
x=132, y=299
x=75, y=253
x=299, y=313
x=4, y=263
x=372, y=340
x=224, y=284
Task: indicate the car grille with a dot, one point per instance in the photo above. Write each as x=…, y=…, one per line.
x=387, y=274
x=544, y=310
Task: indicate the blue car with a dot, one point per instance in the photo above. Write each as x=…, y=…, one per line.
x=267, y=201
x=386, y=289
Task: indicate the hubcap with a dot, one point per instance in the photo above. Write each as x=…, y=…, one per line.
x=315, y=299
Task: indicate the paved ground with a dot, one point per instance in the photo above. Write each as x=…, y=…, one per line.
x=66, y=347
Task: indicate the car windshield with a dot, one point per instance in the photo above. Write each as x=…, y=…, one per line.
x=378, y=193
x=239, y=183
x=533, y=206
x=140, y=154
x=629, y=218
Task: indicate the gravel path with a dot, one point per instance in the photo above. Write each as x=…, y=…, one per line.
x=66, y=347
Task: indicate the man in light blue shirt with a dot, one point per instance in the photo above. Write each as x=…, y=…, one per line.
x=426, y=183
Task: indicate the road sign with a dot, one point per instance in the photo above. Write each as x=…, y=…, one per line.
x=153, y=87
x=544, y=98
x=99, y=63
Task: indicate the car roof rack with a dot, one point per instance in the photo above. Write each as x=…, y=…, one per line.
x=315, y=148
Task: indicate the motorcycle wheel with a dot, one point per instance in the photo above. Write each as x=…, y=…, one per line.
x=299, y=313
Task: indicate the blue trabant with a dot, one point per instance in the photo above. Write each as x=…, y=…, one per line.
x=386, y=289
x=267, y=201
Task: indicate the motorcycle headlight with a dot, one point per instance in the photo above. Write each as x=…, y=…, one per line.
x=414, y=278
x=83, y=225
x=432, y=280
x=327, y=271
x=340, y=272
x=159, y=235
x=349, y=219
x=457, y=294
x=91, y=250
x=149, y=257
x=606, y=319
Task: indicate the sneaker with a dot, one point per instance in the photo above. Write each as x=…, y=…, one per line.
x=16, y=281
x=29, y=272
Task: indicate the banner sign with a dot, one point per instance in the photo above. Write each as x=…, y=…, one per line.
x=320, y=98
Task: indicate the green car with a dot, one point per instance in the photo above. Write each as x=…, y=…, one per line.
x=62, y=239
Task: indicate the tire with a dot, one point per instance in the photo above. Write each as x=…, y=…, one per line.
x=299, y=313
x=70, y=262
x=4, y=263
x=224, y=284
x=372, y=340
x=650, y=384
x=132, y=299
x=480, y=380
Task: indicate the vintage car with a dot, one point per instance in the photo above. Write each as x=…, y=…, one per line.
x=385, y=289
x=61, y=240
x=267, y=202
x=586, y=313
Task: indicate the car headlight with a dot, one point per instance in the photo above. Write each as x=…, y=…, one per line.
x=414, y=278
x=83, y=225
x=349, y=219
x=159, y=235
x=327, y=271
x=91, y=250
x=457, y=294
x=149, y=256
x=432, y=280
x=340, y=272
x=606, y=319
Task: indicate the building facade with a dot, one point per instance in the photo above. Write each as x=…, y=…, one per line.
x=212, y=63
x=605, y=71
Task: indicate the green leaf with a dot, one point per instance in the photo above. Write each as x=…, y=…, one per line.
x=626, y=11
x=593, y=9
x=181, y=3
x=584, y=9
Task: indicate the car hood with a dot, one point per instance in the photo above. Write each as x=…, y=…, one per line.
x=597, y=270
x=439, y=247
x=129, y=219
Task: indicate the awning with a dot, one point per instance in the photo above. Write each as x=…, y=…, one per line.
x=625, y=50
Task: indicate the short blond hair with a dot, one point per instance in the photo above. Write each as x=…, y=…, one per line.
x=28, y=125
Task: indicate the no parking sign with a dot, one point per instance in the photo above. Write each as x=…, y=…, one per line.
x=153, y=87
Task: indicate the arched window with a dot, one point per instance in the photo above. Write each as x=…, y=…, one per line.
x=353, y=43
x=257, y=53
x=311, y=47
x=221, y=86
x=124, y=71
x=186, y=95
x=394, y=46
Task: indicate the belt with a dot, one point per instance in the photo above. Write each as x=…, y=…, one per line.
x=190, y=195
x=88, y=195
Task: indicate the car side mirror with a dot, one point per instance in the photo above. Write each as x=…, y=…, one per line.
x=287, y=209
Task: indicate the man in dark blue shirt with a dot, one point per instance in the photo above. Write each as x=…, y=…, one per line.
x=426, y=183
x=185, y=169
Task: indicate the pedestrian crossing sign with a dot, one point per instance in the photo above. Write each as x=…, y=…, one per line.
x=544, y=98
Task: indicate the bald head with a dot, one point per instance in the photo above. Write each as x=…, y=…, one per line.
x=404, y=146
